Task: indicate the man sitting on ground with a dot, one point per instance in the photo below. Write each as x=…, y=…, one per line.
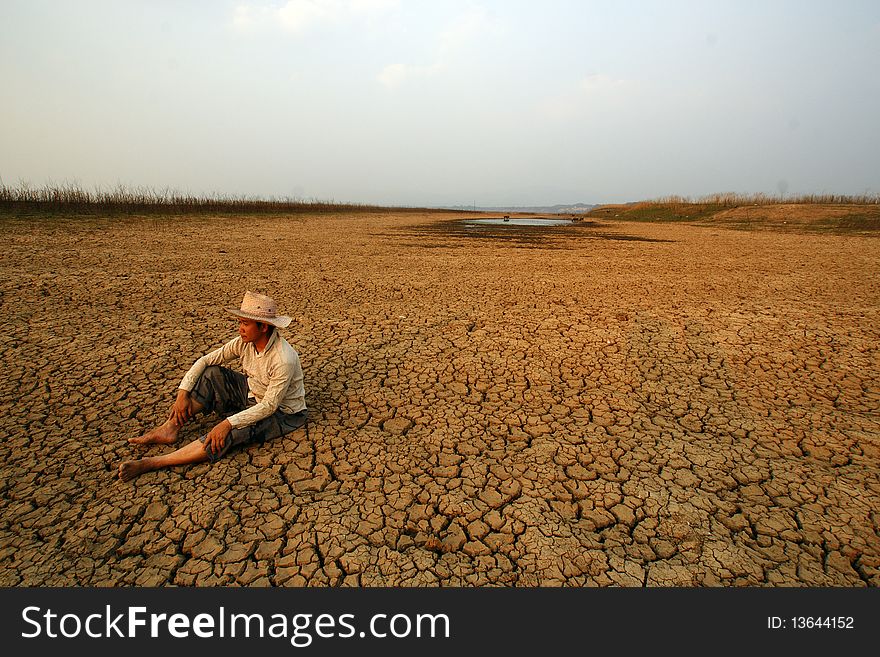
x=266, y=403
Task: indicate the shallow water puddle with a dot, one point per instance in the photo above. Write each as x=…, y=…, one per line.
x=529, y=221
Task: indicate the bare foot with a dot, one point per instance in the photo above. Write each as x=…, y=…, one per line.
x=164, y=435
x=128, y=470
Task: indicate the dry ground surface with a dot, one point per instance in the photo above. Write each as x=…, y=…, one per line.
x=602, y=404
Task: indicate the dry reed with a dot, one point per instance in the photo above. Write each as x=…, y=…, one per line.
x=71, y=198
x=731, y=199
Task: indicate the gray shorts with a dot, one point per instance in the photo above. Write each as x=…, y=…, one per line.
x=225, y=392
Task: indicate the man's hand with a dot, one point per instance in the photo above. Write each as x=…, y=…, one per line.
x=181, y=412
x=217, y=437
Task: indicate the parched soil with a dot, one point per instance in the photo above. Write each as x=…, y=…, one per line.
x=604, y=404
x=859, y=219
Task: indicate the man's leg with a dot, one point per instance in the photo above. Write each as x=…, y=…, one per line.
x=192, y=453
x=166, y=434
x=218, y=389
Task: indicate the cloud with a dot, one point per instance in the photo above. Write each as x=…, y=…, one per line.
x=246, y=18
x=449, y=43
x=462, y=31
x=596, y=92
x=373, y=6
x=300, y=16
x=602, y=84
x=395, y=75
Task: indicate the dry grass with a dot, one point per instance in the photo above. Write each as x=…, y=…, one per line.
x=829, y=212
x=730, y=199
x=71, y=198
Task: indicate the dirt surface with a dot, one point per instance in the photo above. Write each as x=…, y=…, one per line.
x=602, y=404
x=853, y=219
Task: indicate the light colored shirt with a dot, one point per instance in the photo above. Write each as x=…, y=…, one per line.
x=274, y=377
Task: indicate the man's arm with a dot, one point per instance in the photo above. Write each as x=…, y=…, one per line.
x=181, y=411
x=279, y=382
x=228, y=352
x=217, y=436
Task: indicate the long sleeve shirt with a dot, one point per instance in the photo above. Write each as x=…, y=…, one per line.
x=274, y=377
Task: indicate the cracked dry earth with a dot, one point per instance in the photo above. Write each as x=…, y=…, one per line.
x=614, y=404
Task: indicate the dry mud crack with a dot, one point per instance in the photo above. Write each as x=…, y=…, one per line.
x=683, y=405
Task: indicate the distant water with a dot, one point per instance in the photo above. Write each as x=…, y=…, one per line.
x=518, y=222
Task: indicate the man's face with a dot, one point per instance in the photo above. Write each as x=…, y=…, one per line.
x=249, y=330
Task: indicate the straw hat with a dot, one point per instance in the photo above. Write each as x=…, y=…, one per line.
x=261, y=308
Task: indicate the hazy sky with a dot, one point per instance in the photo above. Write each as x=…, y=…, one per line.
x=428, y=102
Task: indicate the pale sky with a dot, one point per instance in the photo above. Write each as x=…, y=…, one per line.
x=428, y=102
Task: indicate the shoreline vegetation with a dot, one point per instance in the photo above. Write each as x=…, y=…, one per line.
x=835, y=212
x=71, y=198
x=814, y=212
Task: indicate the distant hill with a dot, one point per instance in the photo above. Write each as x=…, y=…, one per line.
x=572, y=208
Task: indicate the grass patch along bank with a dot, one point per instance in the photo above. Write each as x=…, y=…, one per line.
x=820, y=213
